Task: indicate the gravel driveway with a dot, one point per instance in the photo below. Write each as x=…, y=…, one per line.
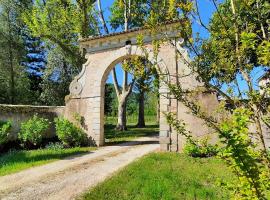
x=68, y=178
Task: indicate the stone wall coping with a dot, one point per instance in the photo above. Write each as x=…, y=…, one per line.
x=28, y=108
x=118, y=40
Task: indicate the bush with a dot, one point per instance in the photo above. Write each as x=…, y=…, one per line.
x=5, y=128
x=33, y=130
x=69, y=134
x=200, y=148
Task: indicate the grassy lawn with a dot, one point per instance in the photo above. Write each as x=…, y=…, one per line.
x=19, y=160
x=113, y=136
x=165, y=176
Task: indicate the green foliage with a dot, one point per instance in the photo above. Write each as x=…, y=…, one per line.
x=264, y=53
x=59, y=24
x=225, y=63
x=5, y=128
x=62, y=23
x=32, y=131
x=193, y=147
x=179, y=126
x=111, y=104
x=244, y=157
x=56, y=79
x=14, y=83
x=109, y=99
x=69, y=134
x=201, y=148
x=139, y=11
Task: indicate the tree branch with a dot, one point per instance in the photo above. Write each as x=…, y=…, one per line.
x=130, y=86
x=101, y=17
x=199, y=16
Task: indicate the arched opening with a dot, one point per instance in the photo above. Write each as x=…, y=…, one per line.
x=108, y=132
x=140, y=104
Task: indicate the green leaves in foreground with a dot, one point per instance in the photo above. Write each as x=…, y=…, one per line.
x=241, y=153
x=244, y=157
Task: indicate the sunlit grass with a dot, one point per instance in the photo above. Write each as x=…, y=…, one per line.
x=114, y=136
x=165, y=176
x=19, y=160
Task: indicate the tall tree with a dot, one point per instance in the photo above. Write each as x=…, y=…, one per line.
x=34, y=63
x=126, y=14
x=59, y=24
x=143, y=86
x=15, y=84
x=62, y=23
x=56, y=78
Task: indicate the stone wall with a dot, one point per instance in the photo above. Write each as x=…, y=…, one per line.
x=20, y=113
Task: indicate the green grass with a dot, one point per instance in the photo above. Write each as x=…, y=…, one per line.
x=132, y=119
x=113, y=136
x=165, y=176
x=19, y=160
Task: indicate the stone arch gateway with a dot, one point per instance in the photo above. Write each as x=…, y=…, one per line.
x=103, y=53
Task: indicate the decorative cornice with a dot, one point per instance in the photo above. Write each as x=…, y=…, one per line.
x=121, y=39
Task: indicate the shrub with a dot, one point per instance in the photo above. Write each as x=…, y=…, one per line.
x=69, y=134
x=200, y=148
x=5, y=128
x=33, y=130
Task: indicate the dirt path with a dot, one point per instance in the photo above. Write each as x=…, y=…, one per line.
x=68, y=178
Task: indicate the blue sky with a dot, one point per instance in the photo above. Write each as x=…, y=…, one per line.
x=206, y=9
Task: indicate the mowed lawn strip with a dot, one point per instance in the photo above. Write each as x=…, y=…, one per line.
x=16, y=161
x=165, y=176
x=114, y=136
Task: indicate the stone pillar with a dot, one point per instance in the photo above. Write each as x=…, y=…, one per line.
x=164, y=128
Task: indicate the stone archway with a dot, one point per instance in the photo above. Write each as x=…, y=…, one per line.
x=103, y=53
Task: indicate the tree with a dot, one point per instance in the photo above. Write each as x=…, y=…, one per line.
x=56, y=78
x=34, y=63
x=237, y=47
x=15, y=87
x=62, y=23
x=126, y=14
x=143, y=85
x=109, y=97
x=59, y=24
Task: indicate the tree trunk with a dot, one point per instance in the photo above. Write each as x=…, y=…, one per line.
x=122, y=122
x=141, y=120
x=11, y=67
x=158, y=111
x=123, y=94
